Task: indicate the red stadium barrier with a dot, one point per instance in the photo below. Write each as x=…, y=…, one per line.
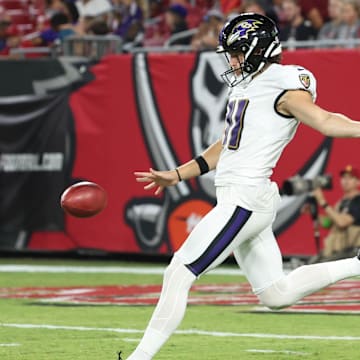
x=154, y=110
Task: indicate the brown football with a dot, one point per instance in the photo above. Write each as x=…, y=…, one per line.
x=83, y=199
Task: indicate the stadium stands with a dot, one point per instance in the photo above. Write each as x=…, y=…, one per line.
x=26, y=19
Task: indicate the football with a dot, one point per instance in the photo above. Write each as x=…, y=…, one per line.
x=83, y=199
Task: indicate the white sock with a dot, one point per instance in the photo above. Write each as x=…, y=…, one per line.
x=342, y=269
x=149, y=345
x=139, y=354
x=169, y=310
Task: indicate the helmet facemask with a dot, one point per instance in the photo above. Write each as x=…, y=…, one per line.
x=246, y=68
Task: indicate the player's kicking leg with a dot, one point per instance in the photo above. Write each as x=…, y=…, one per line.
x=261, y=261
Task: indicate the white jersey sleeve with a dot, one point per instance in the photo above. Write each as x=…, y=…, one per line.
x=296, y=77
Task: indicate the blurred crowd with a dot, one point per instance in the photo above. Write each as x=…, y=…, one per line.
x=147, y=23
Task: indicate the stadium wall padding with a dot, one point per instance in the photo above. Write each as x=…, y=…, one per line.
x=62, y=123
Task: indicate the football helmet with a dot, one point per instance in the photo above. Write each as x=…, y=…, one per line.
x=253, y=35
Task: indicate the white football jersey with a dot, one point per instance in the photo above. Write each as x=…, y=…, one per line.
x=255, y=133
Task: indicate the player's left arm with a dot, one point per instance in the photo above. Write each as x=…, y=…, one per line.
x=299, y=104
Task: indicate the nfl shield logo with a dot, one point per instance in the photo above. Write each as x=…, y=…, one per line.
x=305, y=80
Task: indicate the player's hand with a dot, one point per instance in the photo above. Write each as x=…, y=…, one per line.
x=157, y=179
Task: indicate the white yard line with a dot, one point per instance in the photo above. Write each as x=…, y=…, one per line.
x=13, y=344
x=131, y=340
x=158, y=270
x=186, y=332
x=289, y=352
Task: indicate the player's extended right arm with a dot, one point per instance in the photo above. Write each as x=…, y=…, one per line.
x=210, y=155
x=160, y=179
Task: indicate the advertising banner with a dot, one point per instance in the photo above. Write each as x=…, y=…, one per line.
x=159, y=110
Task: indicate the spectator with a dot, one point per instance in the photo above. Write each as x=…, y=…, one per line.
x=296, y=28
x=156, y=8
x=315, y=11
x=252, y=6
x=230, y=7
x=350, y=27
x=60, y=28
x=207, y=36
x=9, y=36
x=70, y=9
x=263, y=7
x=128, y=20
x=98, y=27
x=278, y=9
x=330, y=30
x=51, y=7
x=93, y=8
x=5, y=23
x=175, y=18
x=344, y=236
x=13, y=40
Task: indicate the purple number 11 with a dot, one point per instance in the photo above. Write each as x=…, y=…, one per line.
x=234, y=123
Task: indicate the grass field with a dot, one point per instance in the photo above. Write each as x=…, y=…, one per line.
x=34, y=330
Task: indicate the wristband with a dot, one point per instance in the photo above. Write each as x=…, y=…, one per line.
x=178, y=174
x=203, y=165
x=325, y=205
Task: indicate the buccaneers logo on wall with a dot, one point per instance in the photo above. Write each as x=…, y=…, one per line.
x=162, y=225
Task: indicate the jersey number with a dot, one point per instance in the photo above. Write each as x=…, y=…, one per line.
x=234, y=123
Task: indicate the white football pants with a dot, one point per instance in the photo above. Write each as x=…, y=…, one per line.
x=229, y=228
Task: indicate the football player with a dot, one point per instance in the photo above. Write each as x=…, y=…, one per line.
x=267, y=101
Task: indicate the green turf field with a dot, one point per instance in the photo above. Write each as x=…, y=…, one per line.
x=32, y=330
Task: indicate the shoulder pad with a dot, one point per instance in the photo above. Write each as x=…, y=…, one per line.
x=297, y=77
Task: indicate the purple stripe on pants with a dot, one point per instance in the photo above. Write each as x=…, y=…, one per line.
x=221, y=242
